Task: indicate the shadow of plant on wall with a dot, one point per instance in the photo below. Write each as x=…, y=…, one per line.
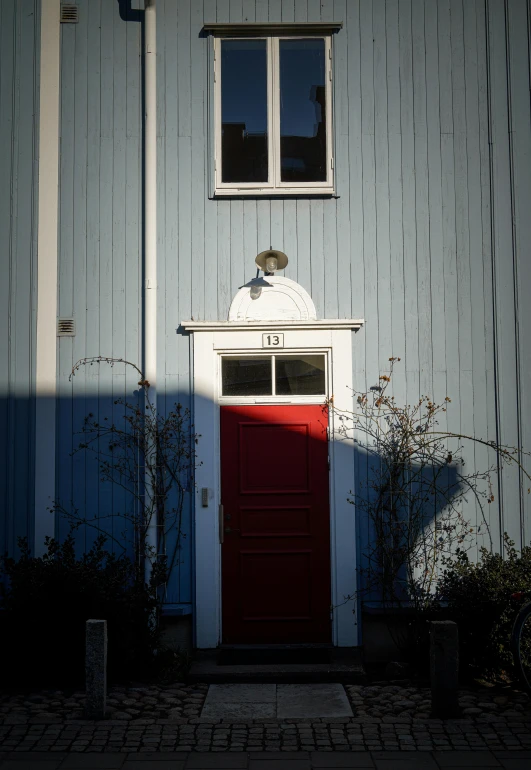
x=152, y=457
x=412, y=496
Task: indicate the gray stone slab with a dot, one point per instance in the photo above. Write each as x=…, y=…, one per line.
x=412, y=758
x=206, y=761
x=515, y=763
x=30, y=764
x=239, y=711
x=269, y=755
x=158, y=756
x=466, y=758
x=405, y=764
x=108, y=760
x=36, y=755
x=342, y=759
x=168, y=764
x=241, y=693
x=300, y=701
x=280, y=764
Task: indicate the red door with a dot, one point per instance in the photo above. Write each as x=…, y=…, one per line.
x=276, y=550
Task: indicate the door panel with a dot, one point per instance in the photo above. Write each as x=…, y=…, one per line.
x=276, y=550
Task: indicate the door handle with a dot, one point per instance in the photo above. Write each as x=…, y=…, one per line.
x=228, y=530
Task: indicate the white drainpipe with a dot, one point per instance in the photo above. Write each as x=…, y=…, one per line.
x=150, y=235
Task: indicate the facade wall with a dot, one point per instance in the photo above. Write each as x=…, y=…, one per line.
x=19, y=100
x=100, y=237
x=426, y=239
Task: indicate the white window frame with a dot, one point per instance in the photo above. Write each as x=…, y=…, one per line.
x=274, y=186
x=311, y=398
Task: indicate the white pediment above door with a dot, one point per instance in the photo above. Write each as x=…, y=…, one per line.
x=283, y=300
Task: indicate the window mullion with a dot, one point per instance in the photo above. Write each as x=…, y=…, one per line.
x=273, y=376
x=270, y=111
x=276, y=110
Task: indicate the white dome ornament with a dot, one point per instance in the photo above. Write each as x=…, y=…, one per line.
x=272, y=298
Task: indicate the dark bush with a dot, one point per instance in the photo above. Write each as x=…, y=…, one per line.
x=48, y=600
x=478, y=597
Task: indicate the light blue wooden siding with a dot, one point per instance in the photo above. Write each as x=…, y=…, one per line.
x=100, y=247
x=427, y=239
x=19, y=100
x=511, y=185
x=408, y=241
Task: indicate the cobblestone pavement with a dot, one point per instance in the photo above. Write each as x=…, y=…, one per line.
x=355, y=734
x=173, y=701
x=387, y=717
x=400, y=696
x=180, y=701
x=301, y=760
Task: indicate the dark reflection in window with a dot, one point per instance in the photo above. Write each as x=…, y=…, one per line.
x=302, y=111
x=244, y=111
x=300, y=376
x=248, y=376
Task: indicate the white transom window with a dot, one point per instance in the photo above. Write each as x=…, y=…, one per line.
x=273, y=114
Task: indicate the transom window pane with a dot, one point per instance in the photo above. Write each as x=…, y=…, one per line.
x=244, y=137
x=300, y=376
x=291, y=375
x=302, y=110
x=247, y=376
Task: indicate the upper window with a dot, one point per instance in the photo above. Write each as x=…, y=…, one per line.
x=273, y=117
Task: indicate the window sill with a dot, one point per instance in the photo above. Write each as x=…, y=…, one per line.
x=258, y=194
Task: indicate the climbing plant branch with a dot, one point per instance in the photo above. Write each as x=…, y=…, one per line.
x=137, y=443
x=411, y=493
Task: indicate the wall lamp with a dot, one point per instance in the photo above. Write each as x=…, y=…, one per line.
x=268, y=261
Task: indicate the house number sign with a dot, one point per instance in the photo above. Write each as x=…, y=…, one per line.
x=272, y=340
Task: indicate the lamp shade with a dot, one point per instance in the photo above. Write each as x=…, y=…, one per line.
x=262, y=258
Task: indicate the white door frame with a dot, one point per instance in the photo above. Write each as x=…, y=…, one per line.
x=210, y=340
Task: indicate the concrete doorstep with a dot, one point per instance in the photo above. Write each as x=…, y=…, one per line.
x=345, y=666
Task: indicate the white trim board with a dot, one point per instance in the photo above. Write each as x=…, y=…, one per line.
x=46, y=353
x=211, y=339
x=341, y=323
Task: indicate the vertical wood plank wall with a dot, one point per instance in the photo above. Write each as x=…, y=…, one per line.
x=19, y=130
x=427, y=240
x=100, y=249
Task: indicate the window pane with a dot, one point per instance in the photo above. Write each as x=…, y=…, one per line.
x=302, y=111
x=300, y=376
x=244, y=111
x=249, y=376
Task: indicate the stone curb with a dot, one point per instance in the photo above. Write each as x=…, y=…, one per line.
x=13, y=721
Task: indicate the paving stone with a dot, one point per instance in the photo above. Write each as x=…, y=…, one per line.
x=37, y=755
x=423, y=762
x=342, y=759
x=228, y=711
x=164, y=764
x=310, y=701
x=286, y=763
x=50, y=763
x=241, y=693
x=470, y=759
x=218, y=761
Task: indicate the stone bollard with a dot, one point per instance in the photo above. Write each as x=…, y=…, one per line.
x=96, y=669
x=444, y=668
